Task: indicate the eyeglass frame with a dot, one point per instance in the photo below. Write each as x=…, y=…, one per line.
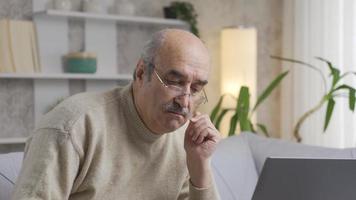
x=205, y=100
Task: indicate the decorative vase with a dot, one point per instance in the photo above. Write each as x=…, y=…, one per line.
x=81, y=62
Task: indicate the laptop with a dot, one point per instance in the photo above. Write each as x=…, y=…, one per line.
x=307, y=179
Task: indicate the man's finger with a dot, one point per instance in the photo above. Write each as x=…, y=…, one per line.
x=199, y=129
x=196, y=125
x=202, y=136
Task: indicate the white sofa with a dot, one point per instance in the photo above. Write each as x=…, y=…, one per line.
x=236, y=163
x=10, y=165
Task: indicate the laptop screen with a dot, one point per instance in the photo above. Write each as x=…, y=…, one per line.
x=306, y=179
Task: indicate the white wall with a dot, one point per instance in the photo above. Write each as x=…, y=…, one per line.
x=326, y=29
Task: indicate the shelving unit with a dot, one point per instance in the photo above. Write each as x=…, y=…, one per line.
x=117, y=18
x=20, y=140
x=64, y=76
x=100, y=37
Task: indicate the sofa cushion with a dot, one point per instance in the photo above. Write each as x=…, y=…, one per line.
x=262, y=147
x=353, y=152
x=10, y=165
x=234, y=169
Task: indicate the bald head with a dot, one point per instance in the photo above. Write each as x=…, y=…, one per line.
x=179, y=40
x=169, y=78
x=180, y=44
x=174, y=44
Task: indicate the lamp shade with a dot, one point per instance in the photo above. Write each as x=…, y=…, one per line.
x=239, y=61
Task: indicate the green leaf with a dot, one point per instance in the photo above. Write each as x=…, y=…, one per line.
x=263, y=129
x=245, y=125
x=334, y=71
x=343, y=86
x=351, y=95
x=329, y=111
x=352, y=99
x=269, y=89
x=243, y=100
x=324, y=60
x=321, y=74
x=294, y=61
x=233, y=124
x=243, y=107
x=336, y=76
x=241, y=111
x=220, y=117
x=216, y=109
x=186, y=12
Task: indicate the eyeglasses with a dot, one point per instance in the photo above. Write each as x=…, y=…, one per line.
x=198, y=97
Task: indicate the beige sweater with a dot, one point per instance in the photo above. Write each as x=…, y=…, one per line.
x=95, y=146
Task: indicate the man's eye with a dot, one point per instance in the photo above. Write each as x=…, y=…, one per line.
x=196, y=90
x=197, y=87
x=171, y=82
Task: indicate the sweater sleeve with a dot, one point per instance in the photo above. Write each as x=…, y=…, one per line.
x=190, y=192
x=49, y=167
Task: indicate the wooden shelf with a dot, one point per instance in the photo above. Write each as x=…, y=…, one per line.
x=20, y=140
x=117, y=18
x=66, y=76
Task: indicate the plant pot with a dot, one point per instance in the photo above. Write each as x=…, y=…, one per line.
x=81, y=62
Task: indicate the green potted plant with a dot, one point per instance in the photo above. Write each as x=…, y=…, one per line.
x=184, y=11
x=337, y=89
x=242, y=113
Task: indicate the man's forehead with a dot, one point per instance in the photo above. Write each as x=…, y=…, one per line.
x=183, y=55
x=183, y=63
x=181, y=46
x=198, y=77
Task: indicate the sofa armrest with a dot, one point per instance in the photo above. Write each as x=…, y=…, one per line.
x=10, y=165
x=234, y=169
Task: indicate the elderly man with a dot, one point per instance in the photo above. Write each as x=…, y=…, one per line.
x=143, y=141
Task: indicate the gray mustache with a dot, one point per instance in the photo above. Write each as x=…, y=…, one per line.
x=176, y=108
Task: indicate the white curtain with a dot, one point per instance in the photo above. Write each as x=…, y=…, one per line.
x=324, y=28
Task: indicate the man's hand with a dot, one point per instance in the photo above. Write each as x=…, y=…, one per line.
x=201, y=139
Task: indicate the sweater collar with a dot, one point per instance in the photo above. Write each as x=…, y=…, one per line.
x=133, y=118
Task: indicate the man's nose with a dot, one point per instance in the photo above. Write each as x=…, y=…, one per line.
x=183, y=100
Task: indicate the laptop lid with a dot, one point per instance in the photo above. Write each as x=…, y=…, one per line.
x=306, y=179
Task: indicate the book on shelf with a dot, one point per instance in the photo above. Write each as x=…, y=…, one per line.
x=35, y=50
x=18, y=47
x=6, y=63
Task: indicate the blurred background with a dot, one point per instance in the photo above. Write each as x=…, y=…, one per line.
x=51, y=49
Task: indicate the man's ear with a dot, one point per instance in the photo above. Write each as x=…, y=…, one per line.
x=140, y=71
